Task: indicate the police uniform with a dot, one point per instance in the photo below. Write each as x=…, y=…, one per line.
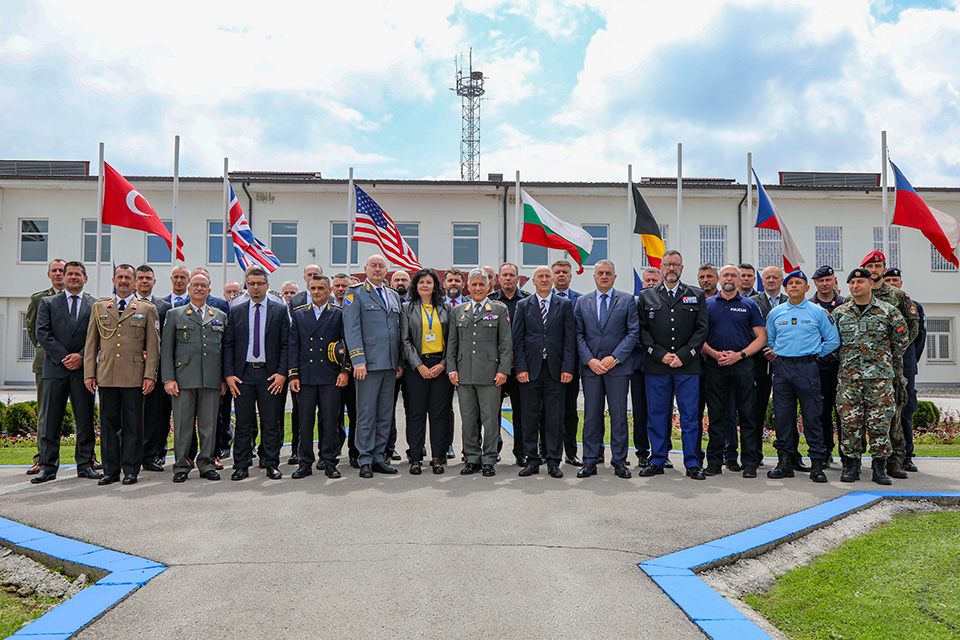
x=870, y=341
x=828, y=366
x=191, y=354
x=371, y=327
x=799, y=335
x=122, y=349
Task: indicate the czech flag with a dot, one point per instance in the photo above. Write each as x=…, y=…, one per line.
x=769, y=218
x=942, y=230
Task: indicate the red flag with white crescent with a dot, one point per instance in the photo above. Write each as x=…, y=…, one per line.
x=123, y=206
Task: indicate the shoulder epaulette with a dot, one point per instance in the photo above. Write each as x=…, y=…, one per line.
x=359, y=284
x=104, y=298
x=303, y=306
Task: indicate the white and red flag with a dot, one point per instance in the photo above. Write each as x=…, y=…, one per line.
x=124, y=206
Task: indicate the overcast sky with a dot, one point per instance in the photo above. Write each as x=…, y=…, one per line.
x=575, y=90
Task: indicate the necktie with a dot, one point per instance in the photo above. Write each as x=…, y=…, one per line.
x=122, y=305
x=256, y=332
x=73, y=306
x=543, y=311
x=476, y=310
x=672, y=295
x=382, y=298
x=453, y=303
x=562, y=294
x=603, y=310
x=179, y=301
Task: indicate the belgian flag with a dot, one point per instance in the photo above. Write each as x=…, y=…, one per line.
x=648, y=229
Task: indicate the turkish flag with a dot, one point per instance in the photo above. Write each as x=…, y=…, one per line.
x=123, y=206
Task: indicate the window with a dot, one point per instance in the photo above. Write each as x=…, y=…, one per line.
x=769, y=248
x=939, y=340
x=89, y=251
x=601, y=242
x=938, y=262
x=411, y=234
x=534, y=255
x=664, y=235
x=283, y=241
x=466, y=244
x=215, y=244
x=157, y=250
x=34, y=240
x=26, y=350
x=893, y=244
x=828, y=247
x=338, y=244
x=713, y=244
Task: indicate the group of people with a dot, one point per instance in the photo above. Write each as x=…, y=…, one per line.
x=348, y=346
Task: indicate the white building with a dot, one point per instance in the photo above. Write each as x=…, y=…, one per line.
x=304, y=219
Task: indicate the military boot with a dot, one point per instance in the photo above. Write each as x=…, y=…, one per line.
x=896, y=470
x=880, y=471
x=784, y=468
x=851, y=470
x=816, y=470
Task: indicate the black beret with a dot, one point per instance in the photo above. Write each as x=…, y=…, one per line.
x=859, y=272
x=823, y=272
x=893, y=271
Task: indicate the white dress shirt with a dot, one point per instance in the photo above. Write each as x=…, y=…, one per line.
x=251, y=313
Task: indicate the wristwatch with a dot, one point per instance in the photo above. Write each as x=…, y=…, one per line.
x=743, y=355
x=616, y=360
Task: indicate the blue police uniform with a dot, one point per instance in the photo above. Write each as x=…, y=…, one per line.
x=799, y=335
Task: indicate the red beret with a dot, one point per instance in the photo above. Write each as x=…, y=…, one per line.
x=874, y=256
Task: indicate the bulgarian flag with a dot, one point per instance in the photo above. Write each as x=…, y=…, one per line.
x=542, y=228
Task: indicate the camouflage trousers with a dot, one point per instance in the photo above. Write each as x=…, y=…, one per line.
x=866, y=408
x=897, y=440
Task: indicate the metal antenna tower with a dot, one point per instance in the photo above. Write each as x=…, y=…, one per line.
x=470, y=89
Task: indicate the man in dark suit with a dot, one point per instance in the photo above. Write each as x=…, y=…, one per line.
x=255, y=367
x=544, y=344
x=673, y=318
x=607, y=331
x=303, y=297
x=315, y=375
x=179, y=277
x=156, y=404
x=62, y=321
x=562, y=274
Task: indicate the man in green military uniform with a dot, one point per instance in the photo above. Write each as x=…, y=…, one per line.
x=873, y=334
x=876, y=264
x=55, y=272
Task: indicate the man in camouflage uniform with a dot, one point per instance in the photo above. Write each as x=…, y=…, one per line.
x=873, y=334
x=876, y=264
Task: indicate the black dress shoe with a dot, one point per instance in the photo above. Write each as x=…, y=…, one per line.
x=488, y=470
x=130, y=478
x=273, y=473
x=43, y=476
x=366, y=471
x=642, y=460
x=321, y=465
x=529, y=470
x=450, y=454
x=261, y=464
x=575, y=461
x=554, y=471
x=749, y=472
x=240, y=473
x=907, y=466
x=302, y=472
x=294, y=459
x=621, y=470
x=151, y=465
x=396, y=456
x=733, y=465
x=105, y=480
x=223, y=454
x=383, y=467
x=210, y=475
x=90, y=473
x=180, y=476
x=160, y=460
x=469, y=468
x=696, y=473
x=416, y=468
x=667, y=464
x=355, y=463
x=521, y=461
x=713, y=470
x=331, y=471
x=651, y=470
x=587, y=470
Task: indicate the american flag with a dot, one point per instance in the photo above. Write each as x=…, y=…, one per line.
x=249, y=250
x=375, y=226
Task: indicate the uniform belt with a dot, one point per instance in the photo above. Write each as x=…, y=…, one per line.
x=257, y=365
x=810, y=358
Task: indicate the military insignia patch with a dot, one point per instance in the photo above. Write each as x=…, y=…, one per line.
x=348, y=299
x=793, y=321
x=900, y=329
x=830, y=318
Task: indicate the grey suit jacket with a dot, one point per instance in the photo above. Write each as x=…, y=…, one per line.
x=479, y=347
x=60, y=334
x=372, y=330
x=191, y=348
x=618, y=336
x=411, y=331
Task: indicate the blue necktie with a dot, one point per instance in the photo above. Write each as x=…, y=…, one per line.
x=382, y=298
x=603, y=310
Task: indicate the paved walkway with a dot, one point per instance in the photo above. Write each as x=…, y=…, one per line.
x=406, y=556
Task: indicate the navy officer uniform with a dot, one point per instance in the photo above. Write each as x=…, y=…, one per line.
x=798, y=335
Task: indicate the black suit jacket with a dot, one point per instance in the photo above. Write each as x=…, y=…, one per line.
x=299, y=299
x=678, y=327
x=237, y=337
x=60, y=334
x=531, y=336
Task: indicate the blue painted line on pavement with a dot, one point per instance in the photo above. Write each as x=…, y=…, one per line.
x=126, y=574
x=716, y=617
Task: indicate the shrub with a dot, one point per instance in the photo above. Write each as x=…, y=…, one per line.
x=69, y=424
x=927, y=416
x=19, y=420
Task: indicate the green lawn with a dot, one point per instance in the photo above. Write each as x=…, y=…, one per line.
x=901, y=580
x=14, y=611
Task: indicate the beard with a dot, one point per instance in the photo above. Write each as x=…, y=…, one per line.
x=453, y=292
x=402, y=291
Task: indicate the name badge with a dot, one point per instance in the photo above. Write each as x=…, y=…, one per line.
x=430, y=337
x=689, y=299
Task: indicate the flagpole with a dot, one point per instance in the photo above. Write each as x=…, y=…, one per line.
x=226, y=218
x=519, y=204
x=753, y=226
x=883, y=192
x=99, y=222
x=176, y=195
x=351, y=220
x=679, y=194
x=630, y=209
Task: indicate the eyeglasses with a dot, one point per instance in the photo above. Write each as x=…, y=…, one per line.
x=671, y=265
x=256, y=284
x=198, y=285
